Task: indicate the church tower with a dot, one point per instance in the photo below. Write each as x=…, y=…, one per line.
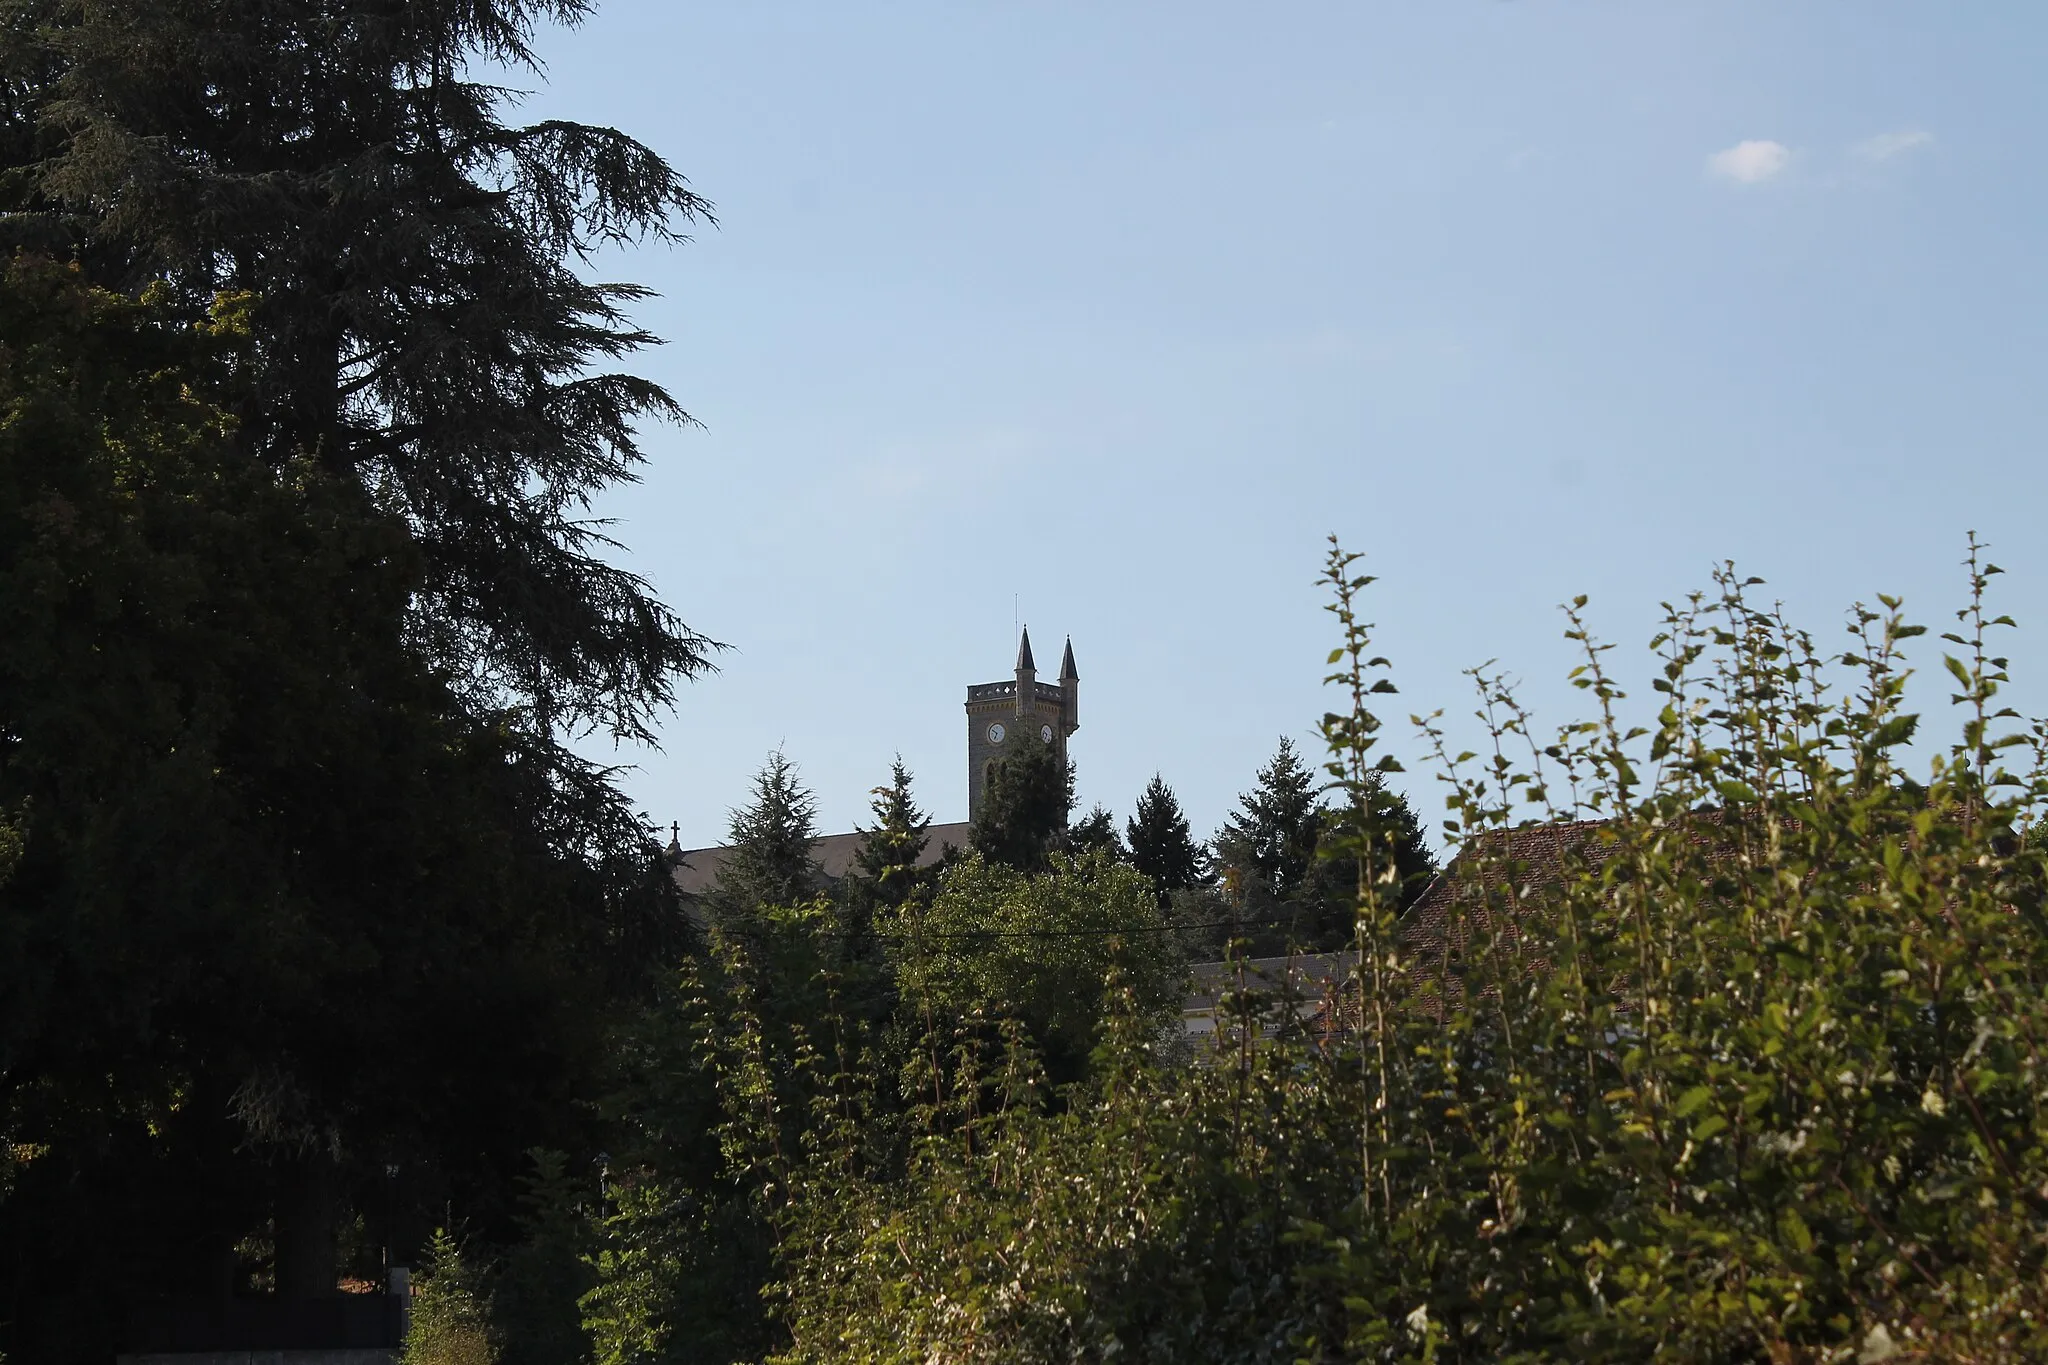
x=999, y=712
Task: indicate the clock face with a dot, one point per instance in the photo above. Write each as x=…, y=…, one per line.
x=1045, y=733
x=996, y=733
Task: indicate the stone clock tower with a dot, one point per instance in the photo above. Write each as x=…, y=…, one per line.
x=998, y=713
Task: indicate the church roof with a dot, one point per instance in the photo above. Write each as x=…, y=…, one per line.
x=696, y=871
x=1024, y=651
x=1067, y=670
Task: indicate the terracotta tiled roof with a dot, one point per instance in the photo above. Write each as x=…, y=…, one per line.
x=1502, y=880
x=1456, y=904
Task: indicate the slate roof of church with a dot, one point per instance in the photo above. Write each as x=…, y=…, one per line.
x=696, y=869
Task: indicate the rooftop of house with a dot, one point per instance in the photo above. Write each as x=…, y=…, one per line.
x=696, y=869
x=1305, y=973
x=1537, y=856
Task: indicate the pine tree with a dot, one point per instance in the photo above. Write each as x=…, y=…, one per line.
x=1270, y=841
x=1024, y=807
x=450, y=1315
x=419, y=328
x=234, y=779
x=1097, y=831
x=1162, y=846
x=1287, y=896
x=355, y=728
x=886, y=877
x=544, y=1274
x=1393, y=824
x=891, y=850
x=769, y=863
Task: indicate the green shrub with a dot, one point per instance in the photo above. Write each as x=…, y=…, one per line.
x=1037, y=948
x=1720, y=1041
x=451, y=1311
x=1738, y=1062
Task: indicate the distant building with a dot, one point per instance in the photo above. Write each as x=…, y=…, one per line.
x=1314, y=994
x=696, y=869
x=998, y=715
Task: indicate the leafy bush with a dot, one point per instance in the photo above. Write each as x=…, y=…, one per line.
x=1038, y=948
x=1747, y=1069
x=1719, y=1041
x=451, y=1311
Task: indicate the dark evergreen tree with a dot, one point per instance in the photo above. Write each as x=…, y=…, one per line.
x=280, y=912
x=1269, y=842
x=1162, y=846
x=891, y=849
x=769, y=861
x=1097, y=831
x=1024, y=807
x=1286, y=895
x=349, y=892
x=541, y=1278
x=418, y=326
x=885, y=878
x=1393, y=825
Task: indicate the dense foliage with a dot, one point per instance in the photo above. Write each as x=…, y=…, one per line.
x=1736, y=1062
x=1036, y=949
x=408, y=255
x=279, y=913
x=1720, y=1040
x=302, y=882
x=1029, y=794
x=1281, y=890
x=1162, y=846
x=449, y=1318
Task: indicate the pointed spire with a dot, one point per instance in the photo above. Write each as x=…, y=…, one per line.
x=1068, y=672
x=1024, y=652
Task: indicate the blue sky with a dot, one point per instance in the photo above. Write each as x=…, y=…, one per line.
x=1109, y=313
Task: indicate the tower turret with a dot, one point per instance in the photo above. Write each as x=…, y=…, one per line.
x=1027, y=678
x=1070, y=690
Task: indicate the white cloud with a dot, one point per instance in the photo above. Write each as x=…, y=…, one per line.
x=1885, y=146
x=1749, y=162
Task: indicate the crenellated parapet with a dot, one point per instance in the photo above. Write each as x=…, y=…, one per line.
x=1005, y=691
